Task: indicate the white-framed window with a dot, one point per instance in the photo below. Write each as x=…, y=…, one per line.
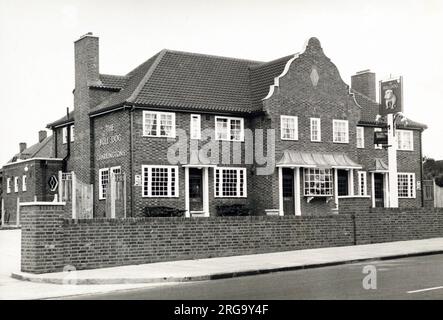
x=229, y=128
x=406, y=185
x=195, y=126
x=160, y=181
x=405, y=140
x=315, y=129
x=340, y=131
x=288, y=127
x=158, y=124
x=15, y=184
x=8, y=185
x=65, y=134
x=360, y=137
x=378, y=146
x=318, y=182
x=24, y=183
x=362, y=183
x=104, y=178
x=230, y=182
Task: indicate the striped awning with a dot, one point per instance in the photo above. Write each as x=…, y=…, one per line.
x=292, y=158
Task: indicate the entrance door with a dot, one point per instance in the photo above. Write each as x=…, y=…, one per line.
x=195, y=190
x=378, y=190
x=288, y=191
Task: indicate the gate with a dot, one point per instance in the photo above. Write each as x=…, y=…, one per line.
x=76, y=193
x=116, y=195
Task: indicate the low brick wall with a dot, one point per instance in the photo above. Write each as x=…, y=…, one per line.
x=51, y=242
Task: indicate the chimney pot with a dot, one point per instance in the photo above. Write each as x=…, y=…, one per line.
x=364, y=82
x=42, y=134
x=22, y=146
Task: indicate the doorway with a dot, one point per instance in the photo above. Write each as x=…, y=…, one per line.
x=195, y=190
x=288, y=191
x=379, y=193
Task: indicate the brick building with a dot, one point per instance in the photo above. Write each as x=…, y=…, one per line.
x=317, y=135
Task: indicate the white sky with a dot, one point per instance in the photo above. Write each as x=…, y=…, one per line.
x=37, y=61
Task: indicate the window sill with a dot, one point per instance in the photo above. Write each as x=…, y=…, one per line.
x=354, y=196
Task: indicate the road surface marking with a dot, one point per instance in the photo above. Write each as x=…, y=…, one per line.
x=427, y=289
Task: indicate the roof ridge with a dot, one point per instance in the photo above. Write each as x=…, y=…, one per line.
x=272, y=61
x=212, y=56
x=146, y=77
x=43, y=144
x=114, y=75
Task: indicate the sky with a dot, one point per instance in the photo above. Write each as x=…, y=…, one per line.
x=389, y=37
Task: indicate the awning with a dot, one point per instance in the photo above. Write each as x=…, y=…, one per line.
x=379, y=166
x=292, y=158
x=199, y=160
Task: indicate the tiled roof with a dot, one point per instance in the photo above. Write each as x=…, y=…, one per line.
x=112, y=82
x=190, y=81
x=42, y=149
x=262, y=77
x=62, y=120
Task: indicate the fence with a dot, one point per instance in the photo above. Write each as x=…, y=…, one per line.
x=50, y=242
x=76, y=193
x=438, y=196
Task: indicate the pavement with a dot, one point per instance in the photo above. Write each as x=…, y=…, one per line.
x=228, y=267
x=12, y=289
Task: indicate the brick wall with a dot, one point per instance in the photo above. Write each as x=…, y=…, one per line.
x=50, y=242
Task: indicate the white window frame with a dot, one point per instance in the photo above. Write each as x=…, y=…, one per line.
x=24, y=183
x=295, y=119
x=229, y=128
x=360, y=137
x=158, y=115
x=316, y=121
x=411, y=185
x=401, y=135
x=323, y=174
x=362, y=179
x=8, y=185
x=219, y=188
x=335, y=124
x=195, y=127
x=148, y=193
x=15, y=184
x=101, y=194
x=65, y=134
x=377, y=146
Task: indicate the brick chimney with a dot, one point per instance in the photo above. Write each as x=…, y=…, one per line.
x=86, y=53
x=42, y=134
x=364, y=82
x=22, y=146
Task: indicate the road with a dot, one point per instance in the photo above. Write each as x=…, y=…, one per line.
x=408, y=278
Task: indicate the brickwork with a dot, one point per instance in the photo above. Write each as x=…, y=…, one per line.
x=50, y=242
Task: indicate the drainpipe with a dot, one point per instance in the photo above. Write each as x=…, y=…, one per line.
x=68, y=144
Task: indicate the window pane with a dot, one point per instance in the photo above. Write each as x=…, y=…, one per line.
x=150, y=123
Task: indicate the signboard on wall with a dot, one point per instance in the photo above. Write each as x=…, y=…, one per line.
x=391, y=96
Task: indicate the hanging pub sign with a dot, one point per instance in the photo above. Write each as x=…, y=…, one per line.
x=391, y=96
x=381, y=137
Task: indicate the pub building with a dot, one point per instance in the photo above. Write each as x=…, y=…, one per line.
x=324, y=155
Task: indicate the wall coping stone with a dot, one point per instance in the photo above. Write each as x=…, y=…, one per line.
x=42, y=203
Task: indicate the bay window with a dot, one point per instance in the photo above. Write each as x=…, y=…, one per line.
x=318, y=182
